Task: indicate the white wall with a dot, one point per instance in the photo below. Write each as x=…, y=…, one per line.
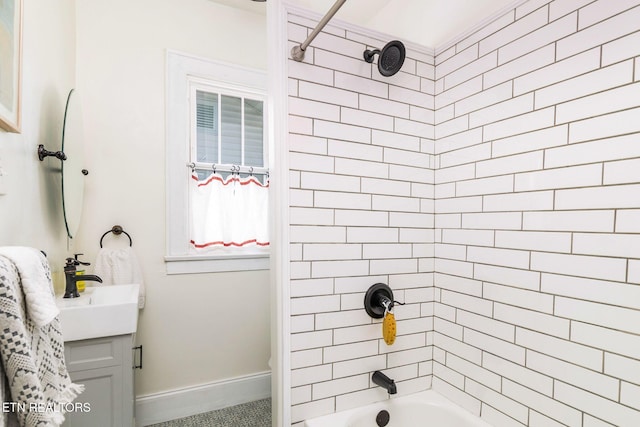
x=31, y=211
x=199, y=328
x=361, y=209
x=537, y=302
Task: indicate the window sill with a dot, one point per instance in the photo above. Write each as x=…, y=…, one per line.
x=192, y=264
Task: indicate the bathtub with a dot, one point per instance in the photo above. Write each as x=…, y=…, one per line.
x=426, y=408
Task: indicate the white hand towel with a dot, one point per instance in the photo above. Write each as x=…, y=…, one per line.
x=119, y=267
x=36, y=282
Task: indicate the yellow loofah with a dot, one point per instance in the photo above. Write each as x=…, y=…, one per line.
x=389, y=328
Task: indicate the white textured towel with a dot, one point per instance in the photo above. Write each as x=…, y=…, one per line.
x=32, y=358
x=119, y=267
x=36, y=282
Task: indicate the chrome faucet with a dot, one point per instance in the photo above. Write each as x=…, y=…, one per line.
x=384, y=381
x=71, y=287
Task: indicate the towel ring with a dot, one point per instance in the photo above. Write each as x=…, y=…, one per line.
x=117, y=230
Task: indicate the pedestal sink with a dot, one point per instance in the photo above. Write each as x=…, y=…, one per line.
x=100, y=311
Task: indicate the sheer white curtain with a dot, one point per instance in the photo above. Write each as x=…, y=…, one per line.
x=231, y=212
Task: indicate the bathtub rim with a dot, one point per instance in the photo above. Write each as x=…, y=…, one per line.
x=427, y=396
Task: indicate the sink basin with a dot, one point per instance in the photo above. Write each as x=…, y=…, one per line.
x=100, y=311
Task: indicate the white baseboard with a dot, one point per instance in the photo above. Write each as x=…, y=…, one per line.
x=160, y=407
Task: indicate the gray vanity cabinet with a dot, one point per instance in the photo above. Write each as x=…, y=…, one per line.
x=105, y=367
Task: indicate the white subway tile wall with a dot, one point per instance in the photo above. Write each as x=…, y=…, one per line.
x=554, y=305
x=361, y=150
x=496, y=189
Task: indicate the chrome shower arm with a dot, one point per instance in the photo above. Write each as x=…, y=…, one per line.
x=297, y=53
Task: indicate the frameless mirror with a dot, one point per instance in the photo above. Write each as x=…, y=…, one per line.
x=72, y=157
x=73, y=171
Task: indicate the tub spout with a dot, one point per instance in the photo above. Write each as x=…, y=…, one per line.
x=384, y=381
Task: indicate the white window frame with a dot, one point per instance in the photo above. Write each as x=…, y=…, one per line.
x=182, y=72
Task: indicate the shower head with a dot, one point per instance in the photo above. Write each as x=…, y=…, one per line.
x=390, y=59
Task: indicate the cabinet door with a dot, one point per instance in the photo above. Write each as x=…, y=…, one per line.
x=104, y=367
x=102, y=394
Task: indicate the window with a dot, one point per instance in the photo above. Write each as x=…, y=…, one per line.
x=227, y=131
x=228, y=196
x=216, y=149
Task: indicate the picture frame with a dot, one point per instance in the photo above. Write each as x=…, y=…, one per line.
x=10, y=64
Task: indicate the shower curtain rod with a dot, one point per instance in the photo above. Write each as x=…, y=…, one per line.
x=297, y=52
